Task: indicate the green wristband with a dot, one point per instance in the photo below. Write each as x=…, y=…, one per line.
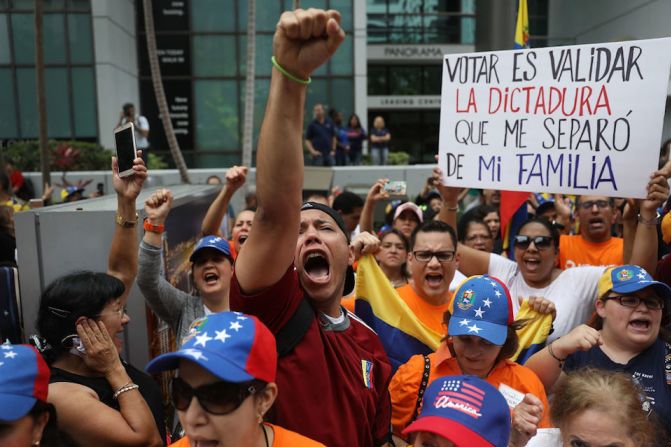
x=289, y=75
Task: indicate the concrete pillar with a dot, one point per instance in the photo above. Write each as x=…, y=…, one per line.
x=495, y=24
x=115, y=63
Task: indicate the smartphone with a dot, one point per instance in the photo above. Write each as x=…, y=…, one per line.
x=396, y=188
x=126, y=151
x=36, y=203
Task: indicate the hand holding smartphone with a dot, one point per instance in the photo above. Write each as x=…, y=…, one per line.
x=396, y=188
x=126, y=151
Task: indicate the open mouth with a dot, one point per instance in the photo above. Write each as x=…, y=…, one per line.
x=640, y=324
x=434, y=279
x=532, y=264
x=316, y=266
x=242, y=238
x=211, y=278
x=596, y=222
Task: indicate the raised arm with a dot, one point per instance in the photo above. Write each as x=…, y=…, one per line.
x=235, y=178
x=471, y=261
x=303, y=41
x=375, y=194
x=122, y=260
x=644, y=248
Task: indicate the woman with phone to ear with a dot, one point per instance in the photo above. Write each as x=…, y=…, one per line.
x=100, y=399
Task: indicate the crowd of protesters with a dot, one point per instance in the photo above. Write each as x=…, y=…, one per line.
x=280, y=342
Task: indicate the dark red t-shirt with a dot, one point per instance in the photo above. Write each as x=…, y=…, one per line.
x=333, y=386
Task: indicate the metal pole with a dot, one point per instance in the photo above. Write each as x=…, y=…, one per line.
x=41, y=95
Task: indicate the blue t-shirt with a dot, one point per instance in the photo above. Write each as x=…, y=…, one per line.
x=321, y=135
x=647, y=369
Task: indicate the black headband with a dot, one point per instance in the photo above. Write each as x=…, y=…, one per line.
x=330, y=211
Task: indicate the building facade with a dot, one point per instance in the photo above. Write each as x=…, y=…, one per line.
x=389, y=65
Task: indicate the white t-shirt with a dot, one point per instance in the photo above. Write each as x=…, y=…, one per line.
x=574, y=292
x=141, y=123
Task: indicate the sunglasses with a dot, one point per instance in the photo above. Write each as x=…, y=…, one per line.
x=217, y=398
x=634, y=301
x=541, y=242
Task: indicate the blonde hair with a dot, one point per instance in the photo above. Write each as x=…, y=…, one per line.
x=610, y=392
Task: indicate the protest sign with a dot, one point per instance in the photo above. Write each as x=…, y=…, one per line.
x=584, y=119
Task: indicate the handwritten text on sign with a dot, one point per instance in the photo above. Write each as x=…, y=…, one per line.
x=580, y=119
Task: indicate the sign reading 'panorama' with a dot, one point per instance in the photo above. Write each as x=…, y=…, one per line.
x=578, y=119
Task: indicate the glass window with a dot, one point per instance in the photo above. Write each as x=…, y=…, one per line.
x=342, y=60
x=216, y=121
x=58, y=102
x=267, y=14
x=4, y=40
x=405, y=80
x=54, y=38
x=23, y=4
x=79, y=38
x=343, y=96
x=432, y=80
x=263, y=50
x=25, y=78
x=212, y=15
x=404, y=7
x=54, y=4
x=84, y=102
x=377, y=80
x=319, y=4
x=261, y=89
x=80, y=5
x=346, y=13
x=23, y=30
x=318, y=93
x=8, y=123
x=214, y=56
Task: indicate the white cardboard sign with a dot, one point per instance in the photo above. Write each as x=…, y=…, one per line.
x=584, y=119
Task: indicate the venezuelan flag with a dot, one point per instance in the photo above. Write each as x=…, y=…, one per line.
x=513, y=210
x=533, y=336
x=380, y=306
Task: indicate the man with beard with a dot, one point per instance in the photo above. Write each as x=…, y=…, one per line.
x=595, y=244
x=295, y=266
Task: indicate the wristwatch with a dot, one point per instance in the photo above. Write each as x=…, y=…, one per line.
x=121, y=221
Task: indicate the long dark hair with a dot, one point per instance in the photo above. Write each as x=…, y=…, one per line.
x=358, y=121
x=78, y=294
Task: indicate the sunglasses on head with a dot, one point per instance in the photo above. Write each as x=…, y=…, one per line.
x=217, y=398
x=541, y=242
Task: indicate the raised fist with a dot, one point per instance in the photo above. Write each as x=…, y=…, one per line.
x=305, y=39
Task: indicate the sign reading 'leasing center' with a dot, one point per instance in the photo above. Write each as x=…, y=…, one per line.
x=578, y=119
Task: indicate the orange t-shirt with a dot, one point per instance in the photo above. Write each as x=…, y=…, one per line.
x=283, y=438
x=429, y=314
x=404, y=386
x=575, y=250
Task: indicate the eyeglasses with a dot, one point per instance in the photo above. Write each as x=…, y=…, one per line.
x=121, y=312
x=633, y=301
x=441, y=256
x=541, y=242
x=601, y=204
x=217, y=398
